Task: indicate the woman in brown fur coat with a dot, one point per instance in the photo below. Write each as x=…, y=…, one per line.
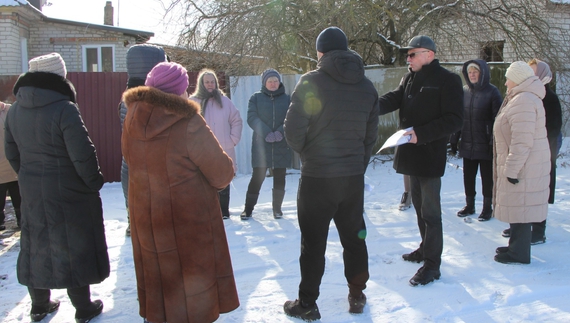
x=176, y=167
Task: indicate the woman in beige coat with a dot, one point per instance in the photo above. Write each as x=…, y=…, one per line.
x=521, y=164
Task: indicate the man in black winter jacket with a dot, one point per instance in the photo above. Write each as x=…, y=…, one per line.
x=332, y=123
x=430, y=100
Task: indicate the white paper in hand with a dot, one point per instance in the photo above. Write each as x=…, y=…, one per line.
x=397, y=139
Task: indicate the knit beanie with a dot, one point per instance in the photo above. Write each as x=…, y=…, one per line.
x=474, y=65
x=142, y=58
x=50, y=63
x=543, y=72
x=269, y=73
x=332, y=38
x=518, y=72
x=168, y=77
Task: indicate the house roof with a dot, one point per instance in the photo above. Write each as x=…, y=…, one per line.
x=139, y=34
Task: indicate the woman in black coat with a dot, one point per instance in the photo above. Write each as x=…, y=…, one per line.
x=265, y=115
x=62, y=243
x=481, y=102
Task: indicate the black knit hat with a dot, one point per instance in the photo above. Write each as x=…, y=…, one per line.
x=332, y=38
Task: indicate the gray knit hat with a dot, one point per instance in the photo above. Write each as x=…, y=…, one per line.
x=50, y=63
x=269, y=73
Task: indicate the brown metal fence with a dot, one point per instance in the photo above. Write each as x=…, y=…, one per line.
x=98, y=97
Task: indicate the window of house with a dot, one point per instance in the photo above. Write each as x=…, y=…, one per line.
x=492, y=51
x=99, y=58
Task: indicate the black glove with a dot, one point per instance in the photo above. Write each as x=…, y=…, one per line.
x=512, y=180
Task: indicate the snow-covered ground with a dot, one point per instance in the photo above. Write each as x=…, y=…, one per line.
x=473, y=288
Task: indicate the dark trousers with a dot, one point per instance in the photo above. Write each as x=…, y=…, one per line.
x=319, y=201
x=519, y=241
x=258, y=177
x=224, y=197
x=426, y=200
x=14, y=190
x=470, y=174
x=80, y=297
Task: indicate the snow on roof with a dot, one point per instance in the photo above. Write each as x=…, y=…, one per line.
x=9, y=3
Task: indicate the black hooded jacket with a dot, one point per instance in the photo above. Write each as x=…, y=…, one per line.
x=481, y=103
x=332, y=121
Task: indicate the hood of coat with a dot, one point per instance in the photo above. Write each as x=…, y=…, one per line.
x=484, y=75
x=343, y=66
x=532, y=85
x=150, y=112
x=38, y=89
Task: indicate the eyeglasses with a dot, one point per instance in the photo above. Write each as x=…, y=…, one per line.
x=412, y=55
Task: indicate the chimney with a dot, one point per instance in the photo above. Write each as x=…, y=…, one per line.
x=38, y=4
x=108, y=19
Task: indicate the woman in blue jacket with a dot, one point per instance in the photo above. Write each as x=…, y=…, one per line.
x=265, y=115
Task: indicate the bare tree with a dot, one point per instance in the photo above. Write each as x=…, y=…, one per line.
x=248, y=35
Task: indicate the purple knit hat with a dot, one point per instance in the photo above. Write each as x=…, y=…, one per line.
x=168, y=77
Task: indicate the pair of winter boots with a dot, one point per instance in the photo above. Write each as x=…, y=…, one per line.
x=469, y=208
x=310, y=312
x=85, y=315
x=251, y=201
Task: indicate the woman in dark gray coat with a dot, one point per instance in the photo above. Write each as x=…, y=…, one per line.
x=62, y=244
x=265, y=115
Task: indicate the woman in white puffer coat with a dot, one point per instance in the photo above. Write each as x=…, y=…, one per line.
x=521, y=164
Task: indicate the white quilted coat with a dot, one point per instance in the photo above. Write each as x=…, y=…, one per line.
x=521, y=151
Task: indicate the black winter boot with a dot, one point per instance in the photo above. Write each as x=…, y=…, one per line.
x=18, y=217
x=39, y=312
x=487, y=212
x=469, y=208
x=538, y=233
x=250, y=202
x=278, y=196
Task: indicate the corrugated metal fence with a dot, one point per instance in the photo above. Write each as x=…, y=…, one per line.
x=98, y=97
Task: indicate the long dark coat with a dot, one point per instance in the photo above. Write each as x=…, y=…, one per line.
x=63, y=239
x=176, y=167
x=481, y=103
x=266, y=113
x=431, y=101
x=553, y=111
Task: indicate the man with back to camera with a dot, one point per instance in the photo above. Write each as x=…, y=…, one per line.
x=332, y=123
x=430, y=100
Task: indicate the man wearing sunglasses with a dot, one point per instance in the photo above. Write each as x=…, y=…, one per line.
x=430, y=103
